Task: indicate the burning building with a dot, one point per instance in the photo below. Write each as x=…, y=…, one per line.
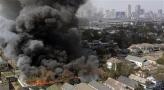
x=45, y=42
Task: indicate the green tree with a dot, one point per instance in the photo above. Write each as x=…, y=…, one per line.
x=123, y=69
x=161, y=60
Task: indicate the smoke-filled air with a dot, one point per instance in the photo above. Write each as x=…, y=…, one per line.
x=44, y=40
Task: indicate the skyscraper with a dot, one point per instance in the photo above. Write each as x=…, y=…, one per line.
x=113, y=13
x=107, y=14
x=129, y=11
x=137, y=11
x=120, y=15
x=160, y=12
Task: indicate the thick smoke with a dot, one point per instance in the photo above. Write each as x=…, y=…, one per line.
x=10, y=8
x=44, y=38
x=8, y=39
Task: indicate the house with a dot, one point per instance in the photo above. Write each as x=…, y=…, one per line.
x=114, y=84
x=152, y=79
x=3, y=65
x=145, y=47
x=111, y=62
x=98, y=86
x=141, y=74
x=67, y=86
x=52, y=87
x=152, y=57
x=140, y=62
x=9, y=75
x=130, y=84
x=138, y=79
x=16, y=86
x=141, y=80
x=83, y=86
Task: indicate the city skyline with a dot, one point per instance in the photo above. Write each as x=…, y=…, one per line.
x=121, y=5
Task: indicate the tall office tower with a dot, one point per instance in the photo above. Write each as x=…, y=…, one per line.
x=138, y=11
x=120, y=15
x=107, y=14
x=142, y=11
x=160, y=12
x=129, y=11
x=113, y=13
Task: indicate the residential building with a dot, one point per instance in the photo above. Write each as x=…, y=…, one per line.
x=130, y=84
x=3, y=65
x=114, y=84
x=152, y=79
x=83, y=86
x=98, y=86
x=138, y=79
x=9, y=76
x=16, y=86
x=146, y=48
x=67, y=86
x=140, y=62
x=52, y=87
x=141, y=73
x=120, y=15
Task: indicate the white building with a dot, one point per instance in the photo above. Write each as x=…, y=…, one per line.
x=140, y=62
x=138, y=79
x=112, y=62
x=152, y=79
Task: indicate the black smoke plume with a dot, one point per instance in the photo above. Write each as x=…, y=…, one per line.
x=10, y=8
x=45, y=38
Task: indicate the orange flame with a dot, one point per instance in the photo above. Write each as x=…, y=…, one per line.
x=40, y=83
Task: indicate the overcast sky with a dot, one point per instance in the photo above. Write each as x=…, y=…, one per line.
x=122, y=4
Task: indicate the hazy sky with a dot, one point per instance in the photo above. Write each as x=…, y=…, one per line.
x=122, y=4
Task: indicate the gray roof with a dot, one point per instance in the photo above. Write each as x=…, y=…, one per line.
x=134, y=58
x=83, y=86
x=98, y=86
x=116, y=85
x=128, y=82
x=2, y=61
x=67, y=86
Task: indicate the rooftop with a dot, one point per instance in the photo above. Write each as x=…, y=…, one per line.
x=53, y=87
x=2, y=61
x=8, y=74
x=137, y=78
x=134, y=58
x=98, y=86
x=114, y=84
x=113, y=60
x=83, y=86
x=67, y=86
x=128, y=82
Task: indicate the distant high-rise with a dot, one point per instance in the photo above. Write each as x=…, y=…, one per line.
x=113, y=13
x=160, y=12
x=129, y=11
x=138, y=11
x=107, y=14
x=120, y=15
x=142, y=11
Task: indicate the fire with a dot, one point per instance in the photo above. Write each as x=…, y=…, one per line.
x=40, y=82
